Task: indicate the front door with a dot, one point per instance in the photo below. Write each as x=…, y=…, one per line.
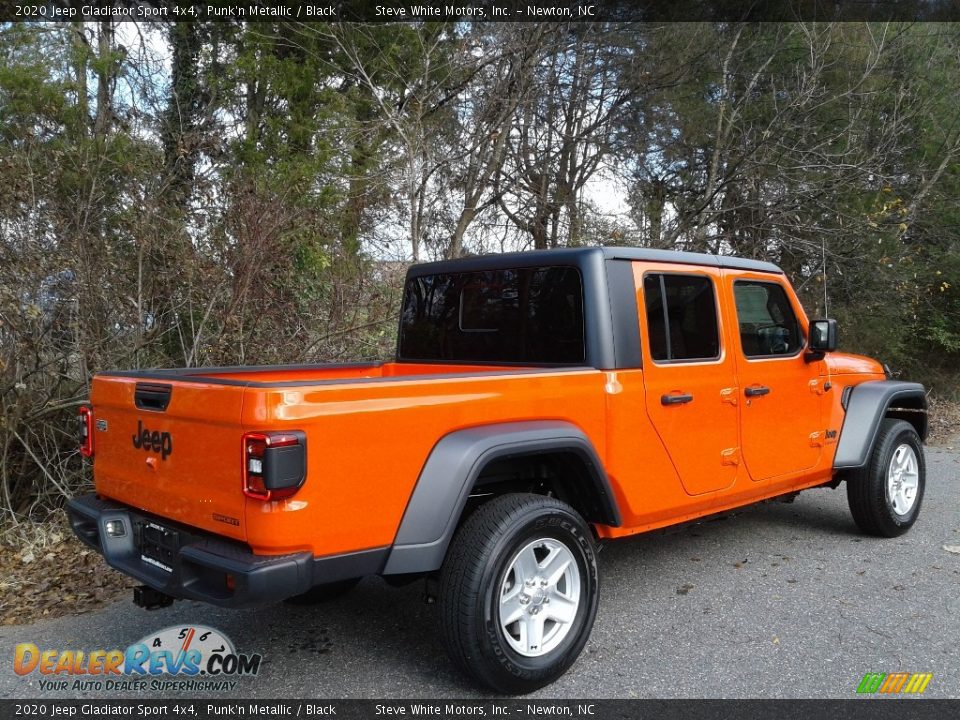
x=688, y=375
x=780, y=391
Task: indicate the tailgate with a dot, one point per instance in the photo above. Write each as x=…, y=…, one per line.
x=171, y=448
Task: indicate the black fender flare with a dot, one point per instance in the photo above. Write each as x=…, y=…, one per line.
x=866, y=407
x=449, y=474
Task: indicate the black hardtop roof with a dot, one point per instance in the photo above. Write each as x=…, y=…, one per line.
x=582, y=256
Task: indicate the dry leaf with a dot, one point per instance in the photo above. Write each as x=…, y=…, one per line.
x=33, y=580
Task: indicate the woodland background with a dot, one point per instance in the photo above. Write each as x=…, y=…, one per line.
x=225, y=193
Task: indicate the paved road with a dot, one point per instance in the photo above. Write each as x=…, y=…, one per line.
x=780, y=600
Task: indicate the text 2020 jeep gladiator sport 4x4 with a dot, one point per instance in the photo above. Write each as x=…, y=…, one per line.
x=539, y=402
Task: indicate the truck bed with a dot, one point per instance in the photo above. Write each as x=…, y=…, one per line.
x=370, y=429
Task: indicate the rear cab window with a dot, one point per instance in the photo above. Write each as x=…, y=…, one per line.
x=530, y=315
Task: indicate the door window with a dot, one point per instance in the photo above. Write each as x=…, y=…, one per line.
x=768, y=325
x=681, y=317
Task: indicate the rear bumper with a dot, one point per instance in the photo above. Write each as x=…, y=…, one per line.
x=201, y=566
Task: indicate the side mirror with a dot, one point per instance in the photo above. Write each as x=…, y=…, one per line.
x=823, y=338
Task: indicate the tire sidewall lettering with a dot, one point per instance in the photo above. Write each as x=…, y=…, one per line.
x=558, y=527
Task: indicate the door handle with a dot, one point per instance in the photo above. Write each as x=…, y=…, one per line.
x=678, y=399
x=756, y=390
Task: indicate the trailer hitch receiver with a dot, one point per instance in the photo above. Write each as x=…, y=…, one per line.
x=149, y=599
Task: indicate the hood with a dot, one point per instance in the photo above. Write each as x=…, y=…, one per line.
x=850, y=364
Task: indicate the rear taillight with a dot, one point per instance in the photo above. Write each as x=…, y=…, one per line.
x=85, y=418
x=274, y=464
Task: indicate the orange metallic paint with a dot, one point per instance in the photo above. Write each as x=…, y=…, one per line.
x=776, y=428
x=366, y=444
x=844, y=370
x=369, y=435
x=701, y=436
x=850, y=364
x=199, y=479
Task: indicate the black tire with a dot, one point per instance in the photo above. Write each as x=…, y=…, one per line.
x=323, y=593
x=477, y=570
x=867, y=489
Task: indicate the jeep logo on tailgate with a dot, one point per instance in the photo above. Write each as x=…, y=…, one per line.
x=161, y=442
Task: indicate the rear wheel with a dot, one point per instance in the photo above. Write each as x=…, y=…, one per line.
x=518, y=592
x=885, y=496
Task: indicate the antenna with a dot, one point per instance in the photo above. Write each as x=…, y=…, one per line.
x=823, y=254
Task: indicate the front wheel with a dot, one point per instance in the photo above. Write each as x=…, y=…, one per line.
x=885, y=496
x=518, y=592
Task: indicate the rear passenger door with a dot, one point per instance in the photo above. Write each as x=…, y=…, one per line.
x=781, y=392
x=689, y=375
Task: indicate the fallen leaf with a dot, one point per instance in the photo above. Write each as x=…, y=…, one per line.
x=34, y=581
x=955, y=549
x=776, y=640
x=684, y=589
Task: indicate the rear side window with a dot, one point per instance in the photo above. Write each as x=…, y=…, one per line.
x=768, y=325
x=681, y=317
x=516, y=315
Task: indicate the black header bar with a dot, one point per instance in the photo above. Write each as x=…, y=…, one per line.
x=517, y=708
x=481, y=10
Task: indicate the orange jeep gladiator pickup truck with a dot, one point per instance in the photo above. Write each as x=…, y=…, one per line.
x=539, y=402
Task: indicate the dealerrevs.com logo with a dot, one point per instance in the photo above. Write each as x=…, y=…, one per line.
x=205, y=657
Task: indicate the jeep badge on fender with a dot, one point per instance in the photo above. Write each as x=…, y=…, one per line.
x=156, y=441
